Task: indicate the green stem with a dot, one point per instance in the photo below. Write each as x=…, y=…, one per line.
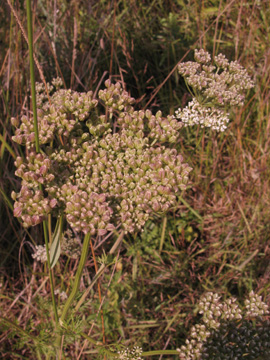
x=98, y=344
x=194, y=212
x=74, y=290
x=19, y=329
x=34, y=108
x=50, y=272
x=160, y=352
x=78, y=276
x=164, y=224
x=100, y=271
x=5, y=144
x=32, y=70
x=10, y=45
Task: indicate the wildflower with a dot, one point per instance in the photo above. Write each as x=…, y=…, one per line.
x=40, y=253
x=216, y=87
x=100, y=179
x=133, y=354
x=62, y=294
x=71, y=245
x=202, y=56
x=255, y=306
x=196, y=114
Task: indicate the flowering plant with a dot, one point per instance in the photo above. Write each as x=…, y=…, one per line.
x=216, y=88
x=105, y=166
x=102, y=171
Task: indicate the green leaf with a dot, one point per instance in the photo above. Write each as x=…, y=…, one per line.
x=55, y=250
x=210, y=11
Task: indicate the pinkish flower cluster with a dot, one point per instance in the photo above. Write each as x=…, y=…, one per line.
x=57, y=117
x=31, y=205
x=97, y=177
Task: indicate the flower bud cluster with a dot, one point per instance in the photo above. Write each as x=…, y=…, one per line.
x=40, y=254
x=63, y=295
x=224, y=83
x=99, y=127
x=163, y=130
x=158, y=128
x=115, y=98
x=102, y=179
x=71, y=245
x=137, y=178
x=230, y=310
x=36, y=170
x=57, y=83
x=255, y=306
x=31, y=205
x=42, y=92
x=24, y=133
x=202, y=57
x=132, y=122
x=212, y=310
x=87, y=211
x=77, y=105
x=133, y=354
x=227, y=332
x=57, y=117
x=216, y=87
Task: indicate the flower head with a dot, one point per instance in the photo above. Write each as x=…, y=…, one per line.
x=216, y=87
x=100, y=173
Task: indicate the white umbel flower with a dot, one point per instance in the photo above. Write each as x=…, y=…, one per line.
x=40, y=254
x=197, y=114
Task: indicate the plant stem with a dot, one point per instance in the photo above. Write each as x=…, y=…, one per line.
x=164, y=224
x=160, y=352
x=34, y=108
x=78, y=276
x=32, y=71
x=74, y=290
x=99, y=293
x=50, y=272
x=100, y=271
x=98, y=344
